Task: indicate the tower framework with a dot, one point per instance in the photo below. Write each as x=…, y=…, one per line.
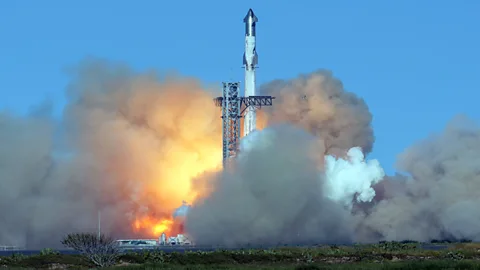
x=233, y=106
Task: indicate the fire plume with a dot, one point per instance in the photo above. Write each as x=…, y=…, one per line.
x=154, y=139
x=172, y=136
x=155, y=226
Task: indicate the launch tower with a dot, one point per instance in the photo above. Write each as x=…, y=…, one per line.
x=233, y=105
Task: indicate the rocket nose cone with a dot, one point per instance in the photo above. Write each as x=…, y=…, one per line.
x=249, y=15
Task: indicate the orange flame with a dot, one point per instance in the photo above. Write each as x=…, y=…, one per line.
x=181, y=143
x=155, y=226
x=186, y=141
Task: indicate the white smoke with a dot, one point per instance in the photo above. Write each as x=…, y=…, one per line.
x=352, y=176
x=345, y=178
x=256, y=139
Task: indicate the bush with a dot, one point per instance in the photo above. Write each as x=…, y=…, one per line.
x=396, y=246
x=48, y=251
x=102, y=251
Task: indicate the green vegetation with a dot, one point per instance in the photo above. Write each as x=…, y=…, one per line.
x=388, y=255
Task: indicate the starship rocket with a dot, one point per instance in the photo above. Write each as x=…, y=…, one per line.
x=250, y=60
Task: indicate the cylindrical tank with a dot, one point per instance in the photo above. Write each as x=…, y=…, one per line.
x=163, y=239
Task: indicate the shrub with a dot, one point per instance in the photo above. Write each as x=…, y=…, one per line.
x=48, y=251
x=102, y=251
x=396, y=246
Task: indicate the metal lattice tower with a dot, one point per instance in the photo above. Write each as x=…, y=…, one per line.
x=231, y=114
x=233, y=106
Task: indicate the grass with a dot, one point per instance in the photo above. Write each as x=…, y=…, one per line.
x=433, y=265
x=389, y=255
x=44, y=261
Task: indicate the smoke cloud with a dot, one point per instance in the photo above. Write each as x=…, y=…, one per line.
x=352, y=177
x=434, y=200
x=130, y=143
x=318, y=103
x=279, y=191
x=135, y=145
x=272, y=195
x=439, y=199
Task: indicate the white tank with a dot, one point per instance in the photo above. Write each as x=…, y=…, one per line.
x=163, y=239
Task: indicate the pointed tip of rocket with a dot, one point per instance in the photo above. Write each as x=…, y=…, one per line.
x=250, y=14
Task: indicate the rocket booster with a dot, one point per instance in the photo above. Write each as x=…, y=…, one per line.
x=250, y=60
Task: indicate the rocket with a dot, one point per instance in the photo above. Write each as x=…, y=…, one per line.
x=250, y=60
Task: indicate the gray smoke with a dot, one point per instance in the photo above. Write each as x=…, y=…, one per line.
x=436, y=198
x=275, y=194
x=440, y=199
x=318, y=103
x=272, y=195
x=18, y=163
x=120, y=131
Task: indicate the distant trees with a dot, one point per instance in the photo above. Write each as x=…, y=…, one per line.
x=101, y=250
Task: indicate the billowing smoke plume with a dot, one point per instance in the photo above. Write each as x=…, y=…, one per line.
x=272, y=195
x=278, y=191
x=351, y=177
x=130, y=145
x=24, y=174
x=436, y=202
x=318, y=103
x=440, y=200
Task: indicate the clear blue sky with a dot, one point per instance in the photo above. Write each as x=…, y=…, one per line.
x=416, y=63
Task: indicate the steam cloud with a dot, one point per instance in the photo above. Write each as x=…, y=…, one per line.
x=351, y=177
x=124, y=145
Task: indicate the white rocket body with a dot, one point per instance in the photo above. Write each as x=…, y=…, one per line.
x=250, y=61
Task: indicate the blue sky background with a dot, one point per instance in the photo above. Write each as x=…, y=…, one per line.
x=416, y=63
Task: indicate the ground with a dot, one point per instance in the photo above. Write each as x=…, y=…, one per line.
x=389, y=255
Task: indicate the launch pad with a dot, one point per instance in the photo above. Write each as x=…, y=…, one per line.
x=233, y=106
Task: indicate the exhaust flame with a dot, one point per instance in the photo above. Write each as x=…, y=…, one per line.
x=156, y=227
